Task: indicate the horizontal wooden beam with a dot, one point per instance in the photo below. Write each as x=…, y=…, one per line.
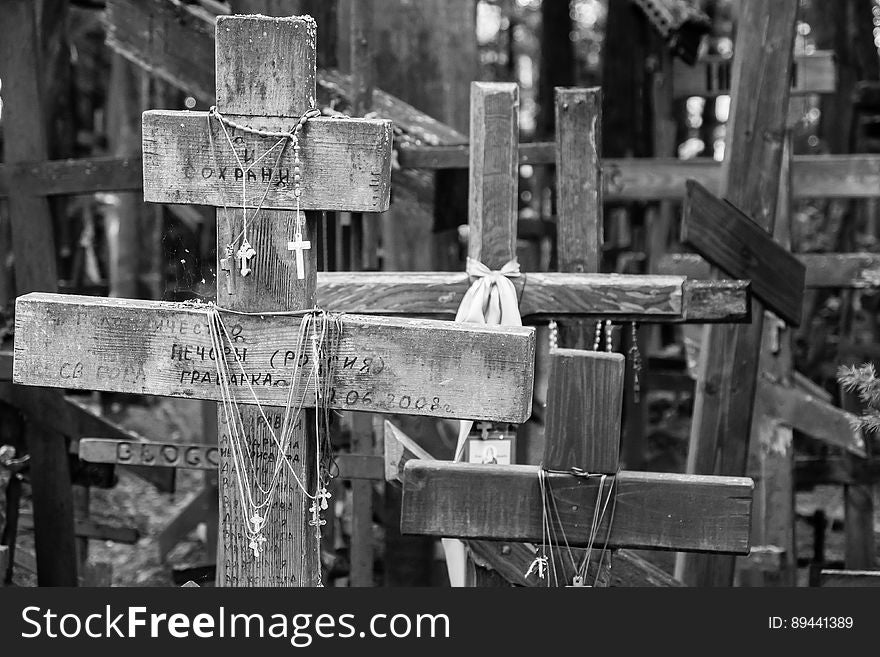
x=406, y=366
x=201, y=456
x=742, y=249
x=94, y=530
x=340, y=159
x=653, y=510
x=174, y=40
x=810, y=415
x=823, y=270
x=512, y=560
x=815, y=73
x=612, y=296
x=835, y=470
x=861, y=578
x=636, y=179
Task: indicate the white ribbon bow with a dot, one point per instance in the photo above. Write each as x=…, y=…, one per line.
x=491, y=299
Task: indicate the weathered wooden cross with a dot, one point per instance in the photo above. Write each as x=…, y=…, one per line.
x=265, y=81
x=649, y=510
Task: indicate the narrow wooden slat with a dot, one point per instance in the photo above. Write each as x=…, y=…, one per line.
x=861, y=578
x=492, y=200
x=653, y=511
x=823, y=270
x=645, y=179
x=94, y=530
x=812, y=416
x=579, y=183
x=815, y=73
x=616, y=296
x=173, y=40
x=742, y=249
x=584, y=402
x=193, y=512
x=835, y=470
x=151, y=454
x=398, y=449
x=384, y=365
x=340, y=160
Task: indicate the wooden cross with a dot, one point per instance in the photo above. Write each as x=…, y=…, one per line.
x=575, y=292
x=651, y=511
x=418, y=367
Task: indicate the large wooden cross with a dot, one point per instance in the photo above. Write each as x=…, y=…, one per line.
x=651, y=510
x=266, y=80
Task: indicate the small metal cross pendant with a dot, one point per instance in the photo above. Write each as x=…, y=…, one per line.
x=245, y=253
x=299, y=245
x=226, y=266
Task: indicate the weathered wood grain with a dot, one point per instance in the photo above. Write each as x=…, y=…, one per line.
x=584, y=402
x=579, y=179
x=646, y=179
x=173, y=40
x=492, y=200
x=724, y=403
x=341, y=159
x=201, y=456
x=815, y=73
x=31, y=223
x=617, y=296
x=512, y=560
x=408, y=366
x=742, y=249
x=653, y=511
x=812, y=416
x=823, y=270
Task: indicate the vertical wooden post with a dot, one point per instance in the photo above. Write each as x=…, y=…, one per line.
x=285, y=90
x=771, y=459
x=719, y=441
x=492, y=201
x=35, y=270
x=578, y=194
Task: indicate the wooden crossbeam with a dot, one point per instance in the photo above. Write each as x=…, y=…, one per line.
x=512, y=560
x=162, y=348
x=711, y=76
x=742, y=249
x=93, y=530
x=823, y=270
x=633, y=179
x=201, y=456
x=648, y=298
x=340, y=158
x=654, y=510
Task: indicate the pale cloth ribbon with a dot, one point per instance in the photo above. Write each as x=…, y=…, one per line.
x=491, y=299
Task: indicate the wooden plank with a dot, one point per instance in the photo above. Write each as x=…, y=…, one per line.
x=584, y=402
x=24, y=132
x=815, y=73
x=512, y=560
x=742, y=249
x=340, y=159
x=812, y=416
x=173, y=40
x=614, y=296
x=193, y=512
x=150, y=454
x=837, y=578
x=724, y=404
x=94, y=530
x=79, y=176
x=4, y=564
x=653, y=511
x=492, y=200
x=578, y=173
x=164, y=348
x=634, y=179
x=823, y=270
